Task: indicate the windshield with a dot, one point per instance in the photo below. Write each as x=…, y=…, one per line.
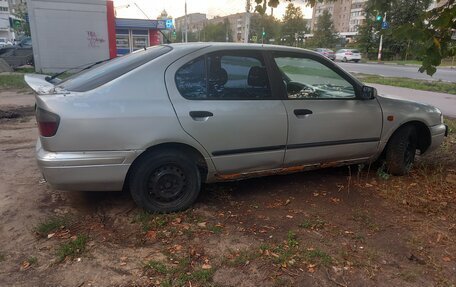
x=108, y=71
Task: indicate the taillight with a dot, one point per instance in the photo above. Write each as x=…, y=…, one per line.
x=48, y=122
x=348, y=53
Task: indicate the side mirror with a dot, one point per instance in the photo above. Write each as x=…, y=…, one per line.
x=368, y=93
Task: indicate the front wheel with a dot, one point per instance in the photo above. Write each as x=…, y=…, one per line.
x=166, y=181
x=401, y=150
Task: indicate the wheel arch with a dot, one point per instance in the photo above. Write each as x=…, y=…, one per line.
x=181, y=147
x=423, y=134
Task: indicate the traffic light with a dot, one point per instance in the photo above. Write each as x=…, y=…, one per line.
x=379, y=18
x=264, y=33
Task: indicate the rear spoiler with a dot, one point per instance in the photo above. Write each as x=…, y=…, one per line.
x=39, y=84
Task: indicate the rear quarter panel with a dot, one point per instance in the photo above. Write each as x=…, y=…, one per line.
x=132, y=112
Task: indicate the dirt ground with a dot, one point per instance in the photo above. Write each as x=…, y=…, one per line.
x=332, y=227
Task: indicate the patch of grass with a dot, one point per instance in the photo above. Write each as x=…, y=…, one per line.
x=150, y=221
x=365, y=220
x=217, y=229
x=242, y=257
x=2, y=256
x=72, y=248
x=182, y=273
x=317, y=256
x=312, y=224
x=32, y=260
x=12, y=81
x=431, y=86
x=51, y=224
x=30, y=70
x=292, y=239
x=157, y=266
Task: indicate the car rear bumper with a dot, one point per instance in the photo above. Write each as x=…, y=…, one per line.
x=438, y=133
x=85, y=171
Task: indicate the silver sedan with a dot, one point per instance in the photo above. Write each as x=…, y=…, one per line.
x=165, y=120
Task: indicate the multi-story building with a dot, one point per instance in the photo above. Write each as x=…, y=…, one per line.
x=357, y=15
x=347, y=15
x=17, y=5
x=196, y=22
x=5, y=29
x=238, y=23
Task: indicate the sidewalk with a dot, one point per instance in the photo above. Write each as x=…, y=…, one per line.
x=445, y=102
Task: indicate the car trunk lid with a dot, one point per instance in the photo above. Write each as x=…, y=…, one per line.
x=39, y=83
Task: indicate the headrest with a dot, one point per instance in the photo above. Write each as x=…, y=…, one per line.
x=258, y=77
x=218, y=77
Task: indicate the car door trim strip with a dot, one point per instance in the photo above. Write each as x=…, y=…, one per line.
x=330, y=143
x=247, y=150
x=292, y=146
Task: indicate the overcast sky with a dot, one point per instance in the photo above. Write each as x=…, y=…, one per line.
x=212, y=8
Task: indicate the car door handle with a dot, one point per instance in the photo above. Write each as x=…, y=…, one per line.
x=200, y=115
x=302, y=112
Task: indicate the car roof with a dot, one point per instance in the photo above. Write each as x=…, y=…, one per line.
x=240, y=46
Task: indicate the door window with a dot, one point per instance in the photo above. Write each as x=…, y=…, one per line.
x=224, y=76
x=305, y=78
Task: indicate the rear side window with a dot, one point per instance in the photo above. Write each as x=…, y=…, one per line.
x=224, y=76
x=108, y=71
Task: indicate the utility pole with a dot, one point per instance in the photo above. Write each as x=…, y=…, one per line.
x=247, y=21
x=186, y=23
x=380, y=46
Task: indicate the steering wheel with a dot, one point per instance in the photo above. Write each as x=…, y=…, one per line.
x=299, y=90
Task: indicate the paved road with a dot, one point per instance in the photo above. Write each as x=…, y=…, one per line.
x=445, y=102
x=444, y=74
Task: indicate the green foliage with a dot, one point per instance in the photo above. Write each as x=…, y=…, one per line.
x=51, y=224
x=24, y=27
x=72, y=248
x=431, y=86
x=417, y=32
x=220, y=32
x=270, y=24
x=12, y=81
x=293, y=24
x=325, y=34
x=317, y=256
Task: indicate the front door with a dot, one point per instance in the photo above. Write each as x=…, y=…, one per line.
x=327, y=121
x=223, y=99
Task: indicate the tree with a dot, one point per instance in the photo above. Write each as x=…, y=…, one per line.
x=431, y=30
x=293, y=24
x=23, y=27
x=428, y=31
x=220, y=32
x=270, y=25
x=366, y=39
x=324, y=34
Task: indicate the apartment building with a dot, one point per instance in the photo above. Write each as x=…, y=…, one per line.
x=196, y=22
x=5, y=29
x=347, y=15
x=238, y=23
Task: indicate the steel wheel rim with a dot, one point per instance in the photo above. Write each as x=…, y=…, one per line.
x=166, y=184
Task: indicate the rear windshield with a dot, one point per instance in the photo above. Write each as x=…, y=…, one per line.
x=108, y=71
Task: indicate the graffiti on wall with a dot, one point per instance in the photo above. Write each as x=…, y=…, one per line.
x=94, y=40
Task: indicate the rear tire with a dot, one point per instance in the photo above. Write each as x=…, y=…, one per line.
x=165, y=181
x=401, y=150
x=356, y=61
x=344, y=59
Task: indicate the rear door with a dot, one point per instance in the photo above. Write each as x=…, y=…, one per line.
x=224, y=100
